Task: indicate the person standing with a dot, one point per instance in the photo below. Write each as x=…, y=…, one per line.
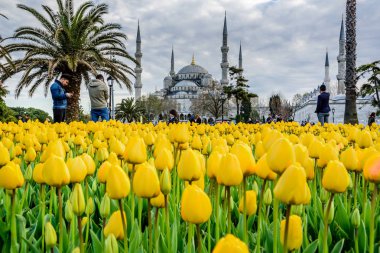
x=323, y=107
x=60, y=97
x=371, y=119
x=173, y=116
x=98, y=91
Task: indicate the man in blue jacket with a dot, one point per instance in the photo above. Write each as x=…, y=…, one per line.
x=323, y=107
x=60, y=96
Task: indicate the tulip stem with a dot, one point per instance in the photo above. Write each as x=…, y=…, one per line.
x=149, y=228
x=356, y=241
x=199, y=241
x=288, y=209
x=258, y=240
x=190, y=238
x=326, y=218
x=132, y=196
x=372, y=221
x=245, y=210
x=156, y=229
x=167, y=221
x=209, y=236
x=60, y=220
x=80, y=234
x=355, y=188
x=217, y=213
x=52, y=191
x=364, y=199
x=124, y=226
x=139, y=210
x=229, y=208
x=24, y=195
x=275, y=226
x=42, y=204
x=13, y=224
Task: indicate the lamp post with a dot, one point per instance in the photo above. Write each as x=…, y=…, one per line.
x=223, y=98
x=111, y=99
x=333, y=112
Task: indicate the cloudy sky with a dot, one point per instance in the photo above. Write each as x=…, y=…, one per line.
x=283, y=41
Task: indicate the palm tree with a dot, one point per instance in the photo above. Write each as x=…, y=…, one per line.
x=3, y=91
x=128, y=110
x=4, y=54
x=75, y=42
x=350, y=113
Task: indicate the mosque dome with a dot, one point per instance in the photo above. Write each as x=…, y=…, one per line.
x=168, y=78
x=186, y=83
x=193, y=69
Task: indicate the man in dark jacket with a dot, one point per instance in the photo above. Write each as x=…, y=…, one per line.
x=323, y=107
x=60, y=96
x=98, y=91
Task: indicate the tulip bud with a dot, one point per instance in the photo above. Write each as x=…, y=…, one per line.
x=69, y=211
x=84, y=222
x=297, y=210
x=324, y=195
x=94, y=186
x=355, y=218
x=331, y=212
x=76, y=250
x=90, y=207
x=255, y=187
x=165, y=182
x=230, y=243
x=105, y=206
x=30, y=155
x=28, y=173
x=111, y=244
x=268, y=197
x=50, y=235
x=77, y=200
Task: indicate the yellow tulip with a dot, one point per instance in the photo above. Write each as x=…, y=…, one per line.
x=195, y=205
x=55, y=172
x=37, y=173
x=335, y=177
x=326, y=154
x=117, y=184
x=54, y=148
x=78, y=140
x=245, y=156
x=280, y=155
x=115, y=225
x=200, y=183
x=77, y=169
x=189, y=166
x=251, y=204
x=229, y=244
x=259, y=150
x=213, y=163
x=112, y=158
x=102, y=154
x=371, y=170
x=149, y=139
x=103, y=171
x=90, y=164
x=229, y=172
x=263, y=170
x=30, y=155
x=158, y=201
x=196, y=142
x=164, y=159
x=350, y=159
x=145, y=181
x=77, y=200
x=292, y=187
x=294, y=239
x=50, y=235
x=4, y=155
x=11, y=176
x=117, y=146
x=135, y=151
x=181, y=134
x=314, y=148
x=364, y=139
x=309, y=165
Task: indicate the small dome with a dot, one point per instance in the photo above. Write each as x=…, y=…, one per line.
x=186, y=83
x=168, y=78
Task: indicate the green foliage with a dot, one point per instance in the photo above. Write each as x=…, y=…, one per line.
x=33, y=113
x=128, y=110
x=6, y=114
x=372, y=84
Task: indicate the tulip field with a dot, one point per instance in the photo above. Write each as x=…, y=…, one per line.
x=114, y=187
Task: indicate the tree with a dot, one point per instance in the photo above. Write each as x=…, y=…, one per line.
x=372, y=85
x=209, y=102
x=3, y=91
x=238, y=89
x=275, y=104
x=4, y=54
x=246, y=109
x=75, y=42
x=350, y=113
x=33, y=113
x=128, y=110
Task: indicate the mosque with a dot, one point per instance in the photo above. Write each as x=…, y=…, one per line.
x=306, y=110
x=190, y=81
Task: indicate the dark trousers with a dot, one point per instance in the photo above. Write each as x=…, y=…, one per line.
x=59, y=115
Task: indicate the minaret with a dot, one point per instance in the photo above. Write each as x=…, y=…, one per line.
x=172, y=72
x=224, y=65
x=240, y=60
x=138, y=69
x=341, y=61
x=326, y=81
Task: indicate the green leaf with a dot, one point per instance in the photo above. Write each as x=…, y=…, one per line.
x=96, y=243
x=312, y=247
x=338, y=247
x=342, y=219
x=32, y=247
x=362, y=237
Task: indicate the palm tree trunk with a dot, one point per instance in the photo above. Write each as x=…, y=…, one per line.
x=350, y=113
x=72, y=113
